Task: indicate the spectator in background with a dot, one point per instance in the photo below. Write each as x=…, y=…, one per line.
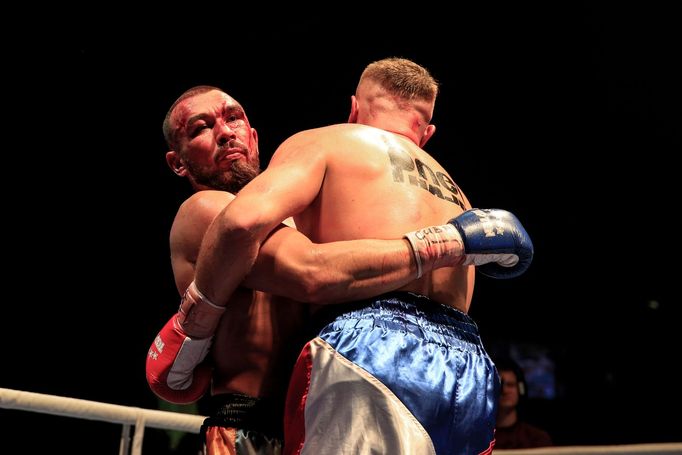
x=511, y=431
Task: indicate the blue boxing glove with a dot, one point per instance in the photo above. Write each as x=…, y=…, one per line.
x=493, y=240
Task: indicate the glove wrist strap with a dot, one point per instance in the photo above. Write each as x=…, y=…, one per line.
x=435, y=246
x=198, y=316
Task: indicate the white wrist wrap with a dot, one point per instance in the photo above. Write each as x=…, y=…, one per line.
x=198, y=316
x=435, y=246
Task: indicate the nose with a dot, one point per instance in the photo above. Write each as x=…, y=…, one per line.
x=224, y=133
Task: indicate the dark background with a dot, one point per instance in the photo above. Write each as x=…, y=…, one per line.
x=568, y=116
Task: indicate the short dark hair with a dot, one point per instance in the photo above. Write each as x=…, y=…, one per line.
x=508, y=364
x=168, y=134
x=403, y=78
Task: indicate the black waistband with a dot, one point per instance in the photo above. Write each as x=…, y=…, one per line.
x=235, y=410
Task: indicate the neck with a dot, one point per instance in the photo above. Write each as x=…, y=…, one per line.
x=506, y=417
x=400, y=128
x=410, y=135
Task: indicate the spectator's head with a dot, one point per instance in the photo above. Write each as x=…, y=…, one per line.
x=513, y=385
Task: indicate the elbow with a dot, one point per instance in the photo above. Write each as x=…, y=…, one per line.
x=312, y=290
x=240, y=225
x=313, y=277
x=304, y=286
x=319, y=285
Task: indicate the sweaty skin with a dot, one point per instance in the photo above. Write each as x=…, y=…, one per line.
x=220, y=151
x=260, y=334
x=361, y=196
x=251, y=348
x=370, y=178
x=339, y=183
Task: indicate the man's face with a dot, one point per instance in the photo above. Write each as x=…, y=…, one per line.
x=509, y=395
x=215, y=141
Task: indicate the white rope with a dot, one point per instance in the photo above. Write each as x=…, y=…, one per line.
x=124, y=446
x=141, y=418
x=139, y=435
x=93, y=410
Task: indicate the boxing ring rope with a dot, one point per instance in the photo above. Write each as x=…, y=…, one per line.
x=112, y=413
x=164, y=420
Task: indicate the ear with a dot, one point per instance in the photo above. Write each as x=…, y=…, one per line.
x=428, y=132
x=353, y=117
x=175, y=163
x=254, y=140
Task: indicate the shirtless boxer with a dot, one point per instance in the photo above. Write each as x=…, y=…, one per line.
x=403, y=373
x=259, y=336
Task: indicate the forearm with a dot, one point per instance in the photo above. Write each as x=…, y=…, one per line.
x=360, y=269
x=331, y=272
x=227, y=254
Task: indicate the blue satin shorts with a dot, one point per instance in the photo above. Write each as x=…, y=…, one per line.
x=399, y=374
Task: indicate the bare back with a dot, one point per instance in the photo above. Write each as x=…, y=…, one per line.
x=378, y=184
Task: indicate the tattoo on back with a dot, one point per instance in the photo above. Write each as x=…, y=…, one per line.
x=419, y=174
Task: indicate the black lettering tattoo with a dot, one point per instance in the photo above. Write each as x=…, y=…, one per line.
x=421, y=166
x=400, y=161
x=448, y=183
x=455, y=199
x=424, y=177
x=417, y=182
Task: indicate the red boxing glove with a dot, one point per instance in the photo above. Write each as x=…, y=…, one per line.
x=175, y=368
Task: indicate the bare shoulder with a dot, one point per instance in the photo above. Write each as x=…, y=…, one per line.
x=441, y=176
x=194, y=217
x=414, y=166
x=311, y=139
x=199, y=210
x=324, y=131
x=206, y=203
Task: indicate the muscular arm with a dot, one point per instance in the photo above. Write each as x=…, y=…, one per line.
x=231, y=244
x=175, y=367
x=191, y=222
x=289, y=264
